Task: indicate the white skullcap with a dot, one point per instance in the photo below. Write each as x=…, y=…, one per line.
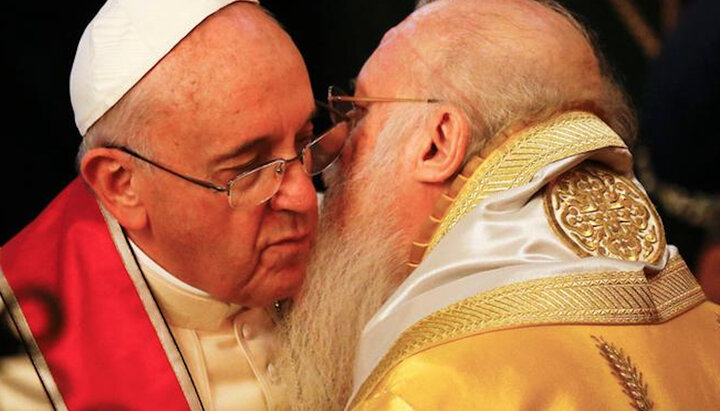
x=122, y=43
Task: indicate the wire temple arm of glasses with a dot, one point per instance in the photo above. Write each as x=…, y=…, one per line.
x=383, y=99
x=132, y=153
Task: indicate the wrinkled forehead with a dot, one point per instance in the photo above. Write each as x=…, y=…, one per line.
x=238, y=33
x=238, y=49
x=236, y=77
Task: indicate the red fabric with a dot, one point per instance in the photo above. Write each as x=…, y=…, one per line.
x=102, y=349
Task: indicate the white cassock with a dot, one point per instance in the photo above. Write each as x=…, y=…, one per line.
x=226, y=347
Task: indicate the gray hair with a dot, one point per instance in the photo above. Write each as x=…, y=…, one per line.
x=520, y=95
x=123, y=125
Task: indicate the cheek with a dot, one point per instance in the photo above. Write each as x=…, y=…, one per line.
x=359, y=143
x=206, y=221
x=351, y=158
x=241, y=230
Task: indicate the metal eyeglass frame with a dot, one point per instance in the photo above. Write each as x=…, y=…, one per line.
x=333, y=96
x=279, y=163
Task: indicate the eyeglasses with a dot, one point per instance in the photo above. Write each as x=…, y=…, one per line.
x=259, y=184
x=343, y=105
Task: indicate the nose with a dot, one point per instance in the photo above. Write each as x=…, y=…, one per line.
x=296, y=192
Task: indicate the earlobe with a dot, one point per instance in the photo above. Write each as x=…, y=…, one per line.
x=443, y=145
x=110, y=175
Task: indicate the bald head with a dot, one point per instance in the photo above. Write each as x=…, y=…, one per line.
x=505, y=34
x=505, y=62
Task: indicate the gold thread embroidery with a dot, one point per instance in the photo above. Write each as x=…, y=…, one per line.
x=617, y=297
x=630, y=379
x=674, y=290
x=521, y=157
x=598, y=213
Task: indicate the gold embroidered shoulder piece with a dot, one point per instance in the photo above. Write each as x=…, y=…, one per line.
x=512, y=165
x=597, y=212
x=617, y=297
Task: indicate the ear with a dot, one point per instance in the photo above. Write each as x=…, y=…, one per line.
x=112, y=176
x=442, y=146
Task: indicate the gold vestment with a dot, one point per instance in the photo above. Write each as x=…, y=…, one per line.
x=640, y=336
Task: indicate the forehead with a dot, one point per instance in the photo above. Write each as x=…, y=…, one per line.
x=236, y=77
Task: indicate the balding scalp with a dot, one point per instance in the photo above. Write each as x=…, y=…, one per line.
x=513, y=62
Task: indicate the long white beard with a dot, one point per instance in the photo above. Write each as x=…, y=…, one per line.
x=355, y=266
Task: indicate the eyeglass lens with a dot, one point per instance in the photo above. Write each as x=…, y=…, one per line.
x=258, y=185
x=261, y=184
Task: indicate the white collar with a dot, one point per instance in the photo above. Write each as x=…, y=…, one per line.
x=145, y=260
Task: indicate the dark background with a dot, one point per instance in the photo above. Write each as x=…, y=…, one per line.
x=39, y=140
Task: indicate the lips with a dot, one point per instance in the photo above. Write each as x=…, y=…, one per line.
x=296, y=238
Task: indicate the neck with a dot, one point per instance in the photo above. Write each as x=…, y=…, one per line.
x=146, y=260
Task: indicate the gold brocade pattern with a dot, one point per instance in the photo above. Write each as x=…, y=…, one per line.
x=521, y=157
x=617, y=297
x=627, y=373
x=598, y=213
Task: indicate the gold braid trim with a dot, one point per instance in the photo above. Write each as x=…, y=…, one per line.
x=627, y=373
x=513, y=164
x=614, y=297
x=674, y=290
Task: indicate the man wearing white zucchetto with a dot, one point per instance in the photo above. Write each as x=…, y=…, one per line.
x=154, y=279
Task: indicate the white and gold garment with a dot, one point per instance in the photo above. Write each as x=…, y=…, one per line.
x=226, y=347
x=543, y=281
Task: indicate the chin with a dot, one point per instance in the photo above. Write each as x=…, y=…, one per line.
x=289, y=282
x=282, y=271
x=273, y=286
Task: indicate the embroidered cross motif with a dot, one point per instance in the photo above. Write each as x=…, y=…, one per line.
x=627, y=373
x=597, y=212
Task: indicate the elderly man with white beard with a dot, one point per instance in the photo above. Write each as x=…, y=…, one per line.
x=484, y=243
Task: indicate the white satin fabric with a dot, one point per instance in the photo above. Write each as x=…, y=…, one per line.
x=505, y=239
